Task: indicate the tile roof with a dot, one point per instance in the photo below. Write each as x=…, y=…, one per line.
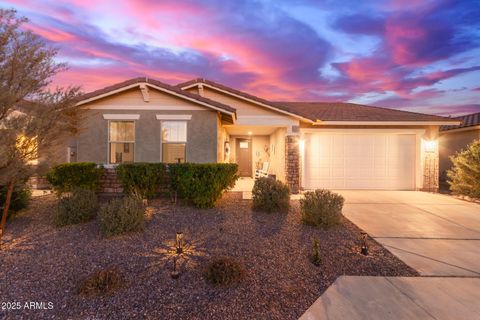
x=342, y=111
x=468, y=120
x=328, y=111
x=243, y=94
x=160, y=84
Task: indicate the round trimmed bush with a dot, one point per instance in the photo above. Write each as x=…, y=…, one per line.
x=224, y=271
x=79, y=207
x=122, y=215
x=321, y=208
x=101, y=282
x=270, y=195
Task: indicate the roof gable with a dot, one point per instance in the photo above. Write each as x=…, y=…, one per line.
x=143, y=82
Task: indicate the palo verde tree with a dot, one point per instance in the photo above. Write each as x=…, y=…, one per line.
x=464, y=177
x=34, y=120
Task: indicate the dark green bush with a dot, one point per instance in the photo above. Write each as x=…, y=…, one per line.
x=141, y=179
x=78, y=207
x=102, y=282
x=464, y=177
x=20, y=198
x=321, y=208
x=69, y=176
x=270, y=195
x=202, y=184
x=224, y=271
x=122, y=215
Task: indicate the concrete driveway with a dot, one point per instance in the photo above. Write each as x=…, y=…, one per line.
x=435, y=234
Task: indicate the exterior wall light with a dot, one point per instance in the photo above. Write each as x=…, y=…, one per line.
x=430, y=145
x=179, y=242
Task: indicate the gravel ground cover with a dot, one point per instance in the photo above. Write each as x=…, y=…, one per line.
x=41, y=263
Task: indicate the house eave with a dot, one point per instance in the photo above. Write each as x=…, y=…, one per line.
x=385, y=123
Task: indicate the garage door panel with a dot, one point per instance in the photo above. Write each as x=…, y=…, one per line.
x=360, y=161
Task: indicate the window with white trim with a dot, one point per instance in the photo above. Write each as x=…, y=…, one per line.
x=174, y=141
x=121, y=141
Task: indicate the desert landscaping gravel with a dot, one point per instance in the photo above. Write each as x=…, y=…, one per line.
x=41, y=263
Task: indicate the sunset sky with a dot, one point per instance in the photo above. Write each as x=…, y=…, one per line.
x=416, y=55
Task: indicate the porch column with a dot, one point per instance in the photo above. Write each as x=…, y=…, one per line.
x=430, y=160
x=292, y=162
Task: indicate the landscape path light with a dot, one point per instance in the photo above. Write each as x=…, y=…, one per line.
x=179, y=242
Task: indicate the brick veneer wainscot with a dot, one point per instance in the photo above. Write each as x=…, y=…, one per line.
x=109, y=182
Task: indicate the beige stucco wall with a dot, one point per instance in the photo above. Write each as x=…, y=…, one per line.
x=452, y=142
x=259, y=144
x=222, y=137
x=92, y=143
x=277, y=153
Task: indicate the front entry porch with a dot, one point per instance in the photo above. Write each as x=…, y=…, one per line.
x=255, y=148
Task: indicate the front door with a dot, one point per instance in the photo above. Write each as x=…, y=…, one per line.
x=244, y=157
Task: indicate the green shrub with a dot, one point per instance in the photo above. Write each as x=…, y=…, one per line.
x=224, y=271
x=321, y=208
x=20, y=198
x=69, y=176
x=141, y=179
x=122, y=215
x=464, y=177
x=78, y=207
x=202, y=184
x=102, y=282
x=270, y=195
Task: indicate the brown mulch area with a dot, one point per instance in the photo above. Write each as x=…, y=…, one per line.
x=42, y=263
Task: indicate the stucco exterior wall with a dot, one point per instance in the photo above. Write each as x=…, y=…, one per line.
x=222, y=137
x=259, y=143
x=277, y=153
x=452, y=142
x=202, y=128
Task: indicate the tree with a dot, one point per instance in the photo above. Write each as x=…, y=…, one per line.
x=34, y=120
x=464, y=177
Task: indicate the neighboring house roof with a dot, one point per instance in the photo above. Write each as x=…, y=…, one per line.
x=342, y=111
x=468, y=120
x=122, y=86
x=241, y=94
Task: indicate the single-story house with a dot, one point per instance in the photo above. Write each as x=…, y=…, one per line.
x=306, y=144
x=456, y=138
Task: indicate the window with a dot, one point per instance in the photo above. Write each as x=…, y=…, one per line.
x=174, y=139
x=121, y=140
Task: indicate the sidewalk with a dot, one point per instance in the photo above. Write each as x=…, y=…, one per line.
x=372, y=298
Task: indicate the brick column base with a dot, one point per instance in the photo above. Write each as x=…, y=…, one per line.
x=292, y=163
x=430, y=172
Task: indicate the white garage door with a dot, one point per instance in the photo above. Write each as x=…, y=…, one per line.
x=359, y=161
